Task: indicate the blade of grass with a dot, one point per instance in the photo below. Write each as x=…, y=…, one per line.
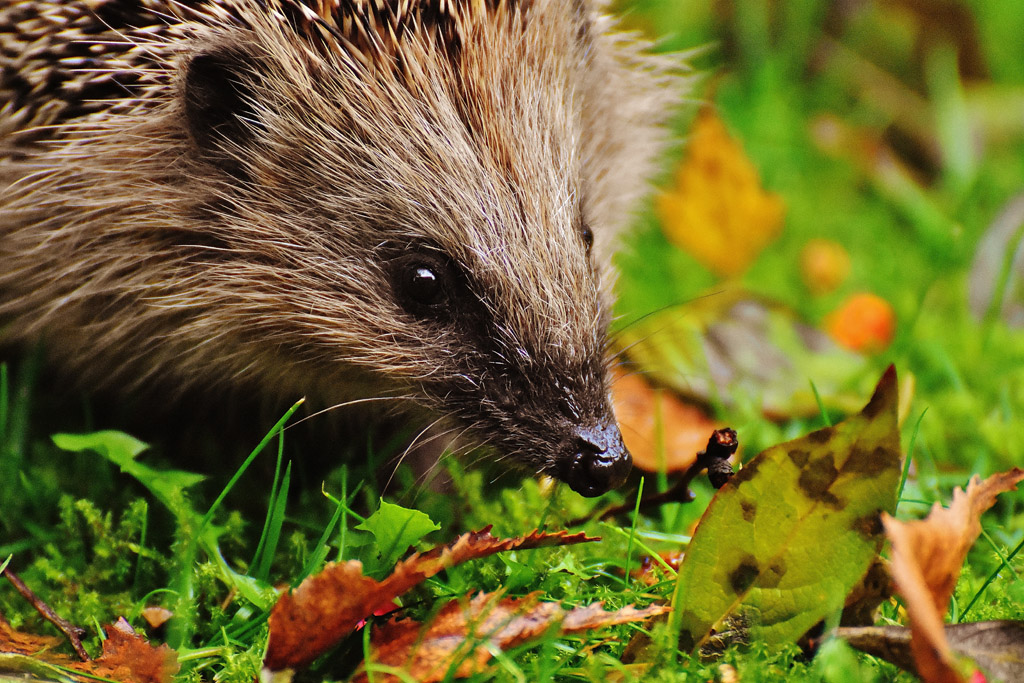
x=142, y=548
x=821, y=404
x=190, y=536
x=271, y=517
x=248, y=461
x=275, y=522
x=992, y=576
x=909, y=458
x=322, y=548
x=632, y=531
x=644, y=547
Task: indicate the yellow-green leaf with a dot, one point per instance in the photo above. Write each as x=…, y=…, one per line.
x=783, y=543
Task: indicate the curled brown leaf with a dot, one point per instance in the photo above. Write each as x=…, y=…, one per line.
x=926, y=559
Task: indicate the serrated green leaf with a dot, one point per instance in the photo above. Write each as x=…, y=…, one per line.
x=395, y=528
x=781, y=545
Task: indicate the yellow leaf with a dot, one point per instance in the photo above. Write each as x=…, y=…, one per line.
x=718, y=211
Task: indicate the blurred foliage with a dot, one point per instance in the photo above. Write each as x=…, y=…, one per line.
x=895, y=130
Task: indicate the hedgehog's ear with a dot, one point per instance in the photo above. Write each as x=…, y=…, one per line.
x=218, y=99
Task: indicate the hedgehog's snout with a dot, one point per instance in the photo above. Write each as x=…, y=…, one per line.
x=598, y=460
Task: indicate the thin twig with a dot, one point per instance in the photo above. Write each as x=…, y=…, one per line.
x=715, y=459
x=73, y=633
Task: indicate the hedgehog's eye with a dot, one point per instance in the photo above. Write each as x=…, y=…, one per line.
x=422, y=283
x=588, y=238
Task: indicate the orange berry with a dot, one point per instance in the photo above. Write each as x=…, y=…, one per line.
x=824, y=265
x=865, y=322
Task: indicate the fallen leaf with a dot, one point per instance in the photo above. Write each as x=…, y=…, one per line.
x=728, y=674
x=156, y=616
x=718, y=211
x=661, y=432
x=465, y=634
x=926, y=559
x=787, y=539
x=16, y=642
x=127, y=657
x=997, y=647
x=864, y=322
x=732, y=343
x=306, y=622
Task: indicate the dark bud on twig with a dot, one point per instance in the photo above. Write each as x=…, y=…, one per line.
x=721, y=446
x=714, y=458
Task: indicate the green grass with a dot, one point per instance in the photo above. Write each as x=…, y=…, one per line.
x=97, y=544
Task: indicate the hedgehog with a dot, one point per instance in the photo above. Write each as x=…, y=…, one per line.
x=412, y=201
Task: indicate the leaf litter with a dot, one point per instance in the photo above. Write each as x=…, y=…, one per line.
x=329, y=606
x=927, y=557
x=126, y=656
x=461, y=639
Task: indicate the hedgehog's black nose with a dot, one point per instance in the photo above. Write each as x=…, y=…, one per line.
x=600, y=461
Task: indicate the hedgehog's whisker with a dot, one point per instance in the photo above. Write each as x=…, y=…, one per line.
x=346, y=404
x=613, y=336
x=413, y=444
x=430, y=471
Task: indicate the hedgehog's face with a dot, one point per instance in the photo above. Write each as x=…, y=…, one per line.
x=522, y=366
x=428, y=230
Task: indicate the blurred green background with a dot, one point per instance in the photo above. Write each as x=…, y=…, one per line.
x=895, y=129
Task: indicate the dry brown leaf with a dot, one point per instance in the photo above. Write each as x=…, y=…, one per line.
x=156, y=616
x=20, y=643
x=126, y=656
x=471, y=546
x=465, y=633
x=306, y=622
x=643, y=412
x=326, y=607
x=926, y=559
x=996, y=646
